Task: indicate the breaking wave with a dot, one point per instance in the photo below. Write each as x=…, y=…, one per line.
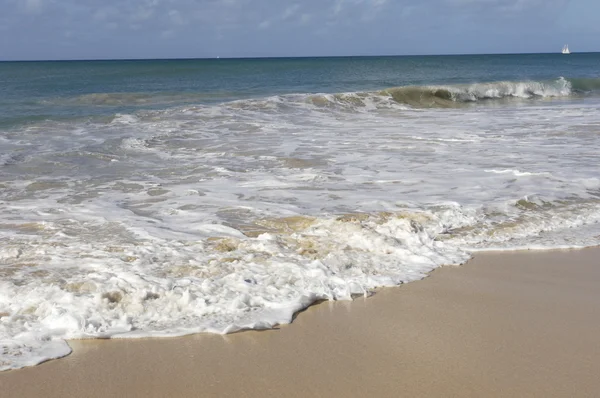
x=434, y=95
x=444, y=96
x=429, y=96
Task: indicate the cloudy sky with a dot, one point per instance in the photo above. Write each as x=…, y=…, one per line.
x=84, y=29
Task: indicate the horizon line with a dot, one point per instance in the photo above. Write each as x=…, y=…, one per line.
x=284, y=57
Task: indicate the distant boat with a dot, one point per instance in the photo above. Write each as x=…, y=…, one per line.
x=565, y=49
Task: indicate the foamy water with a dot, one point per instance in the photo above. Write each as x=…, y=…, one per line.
x=222, y=217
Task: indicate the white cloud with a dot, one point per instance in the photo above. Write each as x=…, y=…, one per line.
x=500, y=4
x=368, y=7
x=290, y=11
x=230, y=3
x=407, y=11
x=338, y=7
x=378, y=3
x=102, y=14
x=143, y=14
x=176, y=17
x=305, y=18
x=165, y=34
x=32, y=6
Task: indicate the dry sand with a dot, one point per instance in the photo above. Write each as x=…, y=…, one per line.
x=523, y=324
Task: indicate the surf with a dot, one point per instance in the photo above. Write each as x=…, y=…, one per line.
x=445, y=96
x=215, y=216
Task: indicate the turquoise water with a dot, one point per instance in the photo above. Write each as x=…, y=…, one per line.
x=31, y=91
x=163, y=198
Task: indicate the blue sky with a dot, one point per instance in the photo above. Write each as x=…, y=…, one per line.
x=92, y=29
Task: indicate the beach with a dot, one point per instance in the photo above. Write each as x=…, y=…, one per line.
x=506, y=324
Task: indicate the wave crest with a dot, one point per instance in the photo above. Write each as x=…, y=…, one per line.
x=433, y=96
x=446, y=96
x=428, y=96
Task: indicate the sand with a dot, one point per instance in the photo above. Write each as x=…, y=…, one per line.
x=513, y=324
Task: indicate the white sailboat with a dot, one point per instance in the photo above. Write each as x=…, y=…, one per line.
x=565, y=49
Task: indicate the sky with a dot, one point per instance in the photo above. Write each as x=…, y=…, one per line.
x=115, y=29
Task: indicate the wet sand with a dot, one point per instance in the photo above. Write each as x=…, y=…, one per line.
x=512, y=324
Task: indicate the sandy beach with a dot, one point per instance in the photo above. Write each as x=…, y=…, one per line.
x=511, y=324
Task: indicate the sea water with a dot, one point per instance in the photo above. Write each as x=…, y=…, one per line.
x=163, y=198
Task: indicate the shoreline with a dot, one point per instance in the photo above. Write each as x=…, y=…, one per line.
x=507, y=323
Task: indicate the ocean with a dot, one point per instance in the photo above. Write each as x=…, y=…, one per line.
x=168, y=197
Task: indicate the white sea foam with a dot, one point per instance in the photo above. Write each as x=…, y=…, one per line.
x=235, y=216
x=516, y=173
x=558, y=88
